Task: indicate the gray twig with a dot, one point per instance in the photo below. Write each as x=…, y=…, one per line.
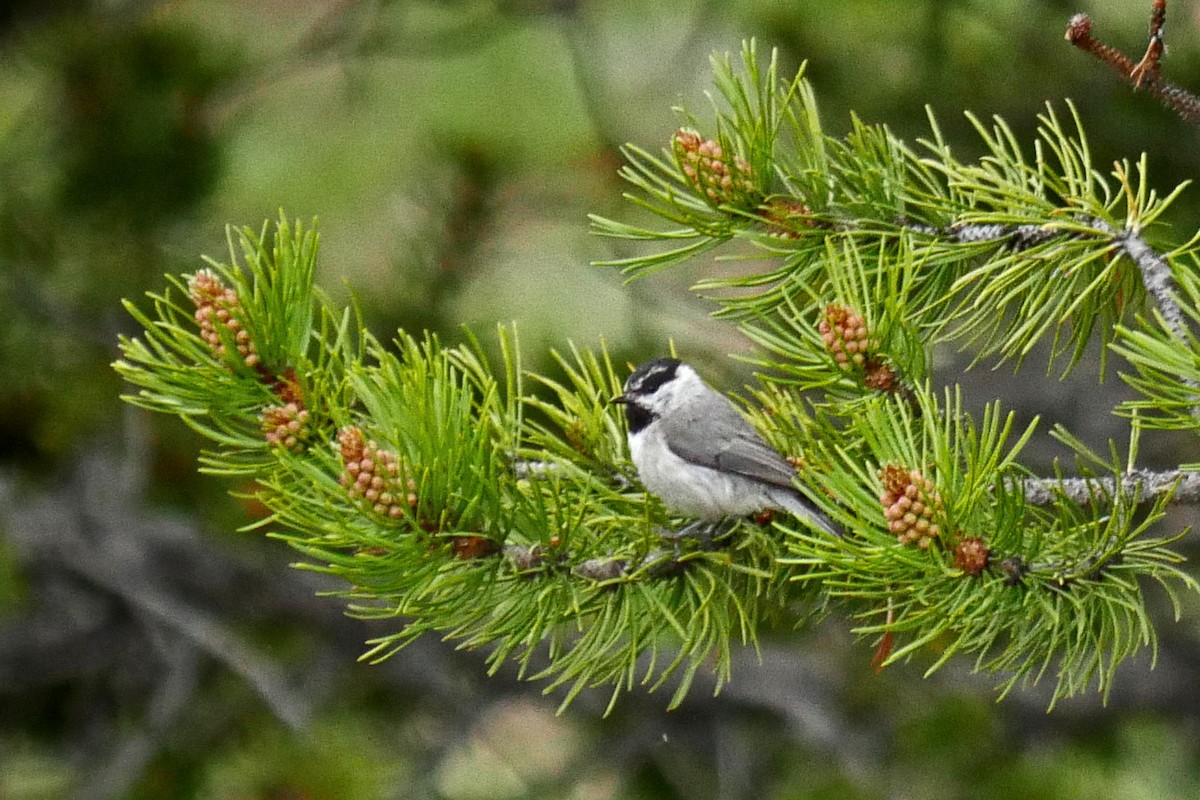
x=1149, y=485
x=1156, y=276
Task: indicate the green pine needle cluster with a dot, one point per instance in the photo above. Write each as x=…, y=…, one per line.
x=498, y=509
x=983, y=237
x=524, y=535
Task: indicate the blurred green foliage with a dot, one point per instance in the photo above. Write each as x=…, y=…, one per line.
x=135, y=146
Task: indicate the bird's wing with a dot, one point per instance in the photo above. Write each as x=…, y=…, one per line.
x=713, y=434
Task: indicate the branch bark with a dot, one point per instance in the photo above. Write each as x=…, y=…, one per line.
x=1145, y=73
x=1148, y=484
x=1156, y=276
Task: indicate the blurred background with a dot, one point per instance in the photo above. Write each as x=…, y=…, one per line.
x=451, y=151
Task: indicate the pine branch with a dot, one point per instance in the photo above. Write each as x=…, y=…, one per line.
x=1013, y=251
x=498, y=508
x=1145, y=73
x=1180, y=486
x=1163, y=351
x=1156, y=276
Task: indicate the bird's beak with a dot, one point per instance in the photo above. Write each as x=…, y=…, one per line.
x=619, y=399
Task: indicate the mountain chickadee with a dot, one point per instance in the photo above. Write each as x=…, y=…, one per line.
x=695, y=451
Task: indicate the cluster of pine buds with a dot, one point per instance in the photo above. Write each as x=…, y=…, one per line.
x=846, y=336
x=910, y=505
x=373, y=474
x=718, y=177
x=971, y=555
x=218, y=305
x=849, y=341
x=879, y=376
x=285, y=426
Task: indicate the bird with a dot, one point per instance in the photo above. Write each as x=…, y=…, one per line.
x=696, y=453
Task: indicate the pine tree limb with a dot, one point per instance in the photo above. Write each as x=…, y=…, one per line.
x=1183, y=487
x=1144, y=74
x=1156, y=276
x=453, y=499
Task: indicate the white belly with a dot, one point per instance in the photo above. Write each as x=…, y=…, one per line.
x=692, y=490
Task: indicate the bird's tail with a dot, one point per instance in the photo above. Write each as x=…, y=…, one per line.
x=800, y=506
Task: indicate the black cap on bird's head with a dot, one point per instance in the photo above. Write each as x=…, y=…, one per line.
x=647, y=378
x=645, y=381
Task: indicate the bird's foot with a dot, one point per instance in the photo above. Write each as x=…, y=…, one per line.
x=708, y=534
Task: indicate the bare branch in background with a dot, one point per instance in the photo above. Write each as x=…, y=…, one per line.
x=1144, y=74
